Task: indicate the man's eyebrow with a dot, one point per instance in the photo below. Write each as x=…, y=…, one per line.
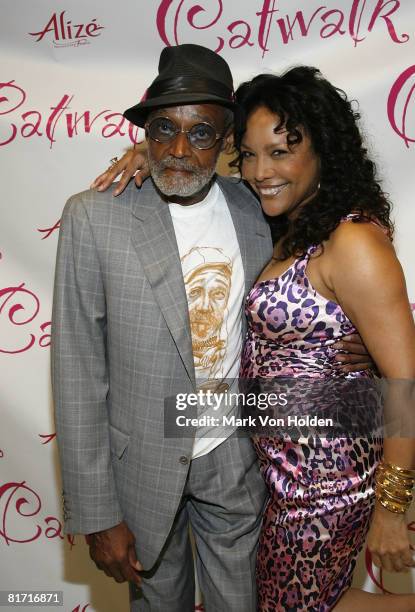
x=204, y=118
x=162, y=112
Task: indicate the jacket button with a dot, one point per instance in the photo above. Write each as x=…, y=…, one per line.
x=183, y=459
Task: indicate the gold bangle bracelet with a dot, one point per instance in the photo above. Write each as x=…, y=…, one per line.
x=395, y=498
x=406, y=482
x=399, y=479
x=384, y=483
x=406, y=473
x=397, y=509
x=380, y=486
x=400, y=473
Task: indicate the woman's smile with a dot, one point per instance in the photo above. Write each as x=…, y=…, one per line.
x=269, y=191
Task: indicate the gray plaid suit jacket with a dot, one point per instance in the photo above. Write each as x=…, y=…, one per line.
x=121, y=344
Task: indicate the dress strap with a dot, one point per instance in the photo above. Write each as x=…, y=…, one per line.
x=302, y=261
x=357, y=216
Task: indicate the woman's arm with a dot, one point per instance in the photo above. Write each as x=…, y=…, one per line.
x=368, y=281
x=133, y=162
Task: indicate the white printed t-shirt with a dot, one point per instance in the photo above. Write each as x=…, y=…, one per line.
x=215, y=286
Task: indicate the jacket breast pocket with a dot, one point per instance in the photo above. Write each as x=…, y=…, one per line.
x=118, y=442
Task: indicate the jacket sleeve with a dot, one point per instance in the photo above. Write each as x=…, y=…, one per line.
x=80, y=378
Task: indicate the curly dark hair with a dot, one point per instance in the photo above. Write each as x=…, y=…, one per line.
x=302, y=98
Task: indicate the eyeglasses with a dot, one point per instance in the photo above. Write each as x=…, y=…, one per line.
x=200, y=136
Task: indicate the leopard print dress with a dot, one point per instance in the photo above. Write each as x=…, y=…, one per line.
x=321, y=488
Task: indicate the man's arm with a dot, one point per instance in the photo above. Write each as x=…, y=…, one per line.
x=79, y=377
x=80, y=387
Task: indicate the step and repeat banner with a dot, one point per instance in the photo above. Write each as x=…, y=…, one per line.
x=68, y=71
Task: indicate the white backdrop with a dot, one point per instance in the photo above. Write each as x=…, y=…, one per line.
x=68, y=69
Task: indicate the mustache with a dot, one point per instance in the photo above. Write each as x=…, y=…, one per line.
x=204, y=316
x=172, y=163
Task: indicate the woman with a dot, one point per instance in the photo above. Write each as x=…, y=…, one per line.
x=333, y=272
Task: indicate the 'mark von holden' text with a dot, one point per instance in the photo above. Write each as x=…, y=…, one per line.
x=267, y=421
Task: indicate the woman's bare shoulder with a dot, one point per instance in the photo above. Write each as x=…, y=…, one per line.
x=361, y=252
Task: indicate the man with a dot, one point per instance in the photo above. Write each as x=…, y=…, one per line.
x=122, y=344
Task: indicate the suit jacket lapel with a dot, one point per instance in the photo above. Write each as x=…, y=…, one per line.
x=249, y=232
x=155, y=242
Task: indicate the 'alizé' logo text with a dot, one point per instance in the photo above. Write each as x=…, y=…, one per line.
x=68, y=34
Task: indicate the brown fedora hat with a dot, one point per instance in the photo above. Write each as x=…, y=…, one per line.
x=187, y=74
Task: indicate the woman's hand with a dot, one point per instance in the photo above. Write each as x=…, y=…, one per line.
x=134, y=161
x=388, y=541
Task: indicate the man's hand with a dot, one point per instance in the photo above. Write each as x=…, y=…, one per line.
x=356, y=358
x=113, y=551
x=132, y=162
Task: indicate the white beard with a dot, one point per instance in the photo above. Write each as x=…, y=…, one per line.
x=179, y=185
